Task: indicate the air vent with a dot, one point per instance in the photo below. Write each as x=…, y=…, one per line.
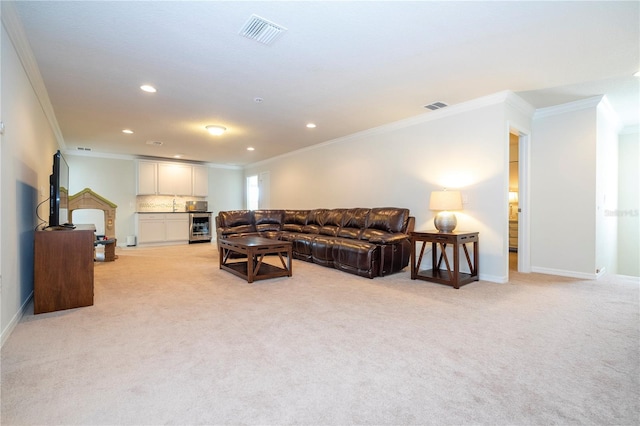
x=261, y=30
x=154, y=143
x=436, y=105
x=80, y=148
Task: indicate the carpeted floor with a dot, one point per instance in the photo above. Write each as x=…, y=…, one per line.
x=172, y=339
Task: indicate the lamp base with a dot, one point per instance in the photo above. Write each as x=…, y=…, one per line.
x=445, y=221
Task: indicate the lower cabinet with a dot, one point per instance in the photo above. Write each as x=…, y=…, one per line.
x=157, y=228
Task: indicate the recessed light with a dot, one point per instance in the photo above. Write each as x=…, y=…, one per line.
x=178, y=156
x=215, y=129
x=251, y=148
x=127, y=131
x=148, y=88
x=311, y=126
x=258, y=100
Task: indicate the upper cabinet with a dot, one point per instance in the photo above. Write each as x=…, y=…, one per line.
x=147, y=172
x=174, y=179
x=200, y=181
x=165, y=178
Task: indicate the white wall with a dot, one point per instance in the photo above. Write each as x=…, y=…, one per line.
x=226, y=189
x=564, y=190
x=28, y=145
x=111, y=178
x=464, y=147
x=628, y=211
x=606, y=188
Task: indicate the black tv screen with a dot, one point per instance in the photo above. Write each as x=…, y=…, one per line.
x=59, y=192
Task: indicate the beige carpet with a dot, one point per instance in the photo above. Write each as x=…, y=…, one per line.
x=172, y=339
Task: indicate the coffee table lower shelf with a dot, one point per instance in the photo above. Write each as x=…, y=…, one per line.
x=266, y=271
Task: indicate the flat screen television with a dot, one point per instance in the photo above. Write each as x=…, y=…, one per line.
x=59, y=193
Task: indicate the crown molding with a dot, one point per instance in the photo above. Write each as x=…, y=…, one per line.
x=451, y=110
x=568, y=107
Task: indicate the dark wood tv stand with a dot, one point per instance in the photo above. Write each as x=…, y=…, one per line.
x=63, y=269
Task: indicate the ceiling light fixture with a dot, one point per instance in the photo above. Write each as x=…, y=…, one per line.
x=127, y=131
x=311, y=126
x=215, y=130
x=148, y=88
x=637, y=74
x=251, y=148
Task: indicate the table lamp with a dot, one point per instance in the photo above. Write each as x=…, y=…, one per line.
x=444, y=202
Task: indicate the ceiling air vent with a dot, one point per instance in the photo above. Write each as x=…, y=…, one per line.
x=436, y=105
x=81, y=148
x=261, y=30
x=154, y=143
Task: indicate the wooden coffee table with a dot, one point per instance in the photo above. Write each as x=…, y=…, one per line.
x=252, y=267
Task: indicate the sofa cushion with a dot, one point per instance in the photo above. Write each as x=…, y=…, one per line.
x=236, y=222
x=268, y=220
x=353, y=222
x=388, y=219
x=295, y=220
x=315, y=220
x=332, y=222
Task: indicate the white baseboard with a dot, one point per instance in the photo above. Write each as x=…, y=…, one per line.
x=494, y=278
x=15, y=320
x=564, y=273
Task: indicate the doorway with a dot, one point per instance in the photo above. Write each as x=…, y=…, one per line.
x=514, y=141
x=519, y=218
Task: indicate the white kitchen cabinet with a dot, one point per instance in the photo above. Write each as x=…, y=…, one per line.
x=150, y=228
x=200, y=181
x=177, y=227
x=174, y=179
x=166, y=178
x=147, y=172
x=158, y=228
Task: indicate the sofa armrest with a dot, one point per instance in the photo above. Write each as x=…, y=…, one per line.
x=389, y=238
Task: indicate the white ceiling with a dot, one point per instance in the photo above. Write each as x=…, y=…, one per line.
x=346, y=66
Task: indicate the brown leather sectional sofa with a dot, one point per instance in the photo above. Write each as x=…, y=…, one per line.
x=369, y=242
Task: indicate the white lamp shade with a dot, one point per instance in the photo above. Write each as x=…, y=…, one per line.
x=445, y=200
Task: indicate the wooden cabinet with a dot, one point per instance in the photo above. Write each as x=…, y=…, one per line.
x=158, y=228
x=200, y=181
x=166, y=178
x=63, y=269
x=513, y=235
x=147, y=176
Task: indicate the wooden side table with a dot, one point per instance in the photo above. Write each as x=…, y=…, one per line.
x=451, y=275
